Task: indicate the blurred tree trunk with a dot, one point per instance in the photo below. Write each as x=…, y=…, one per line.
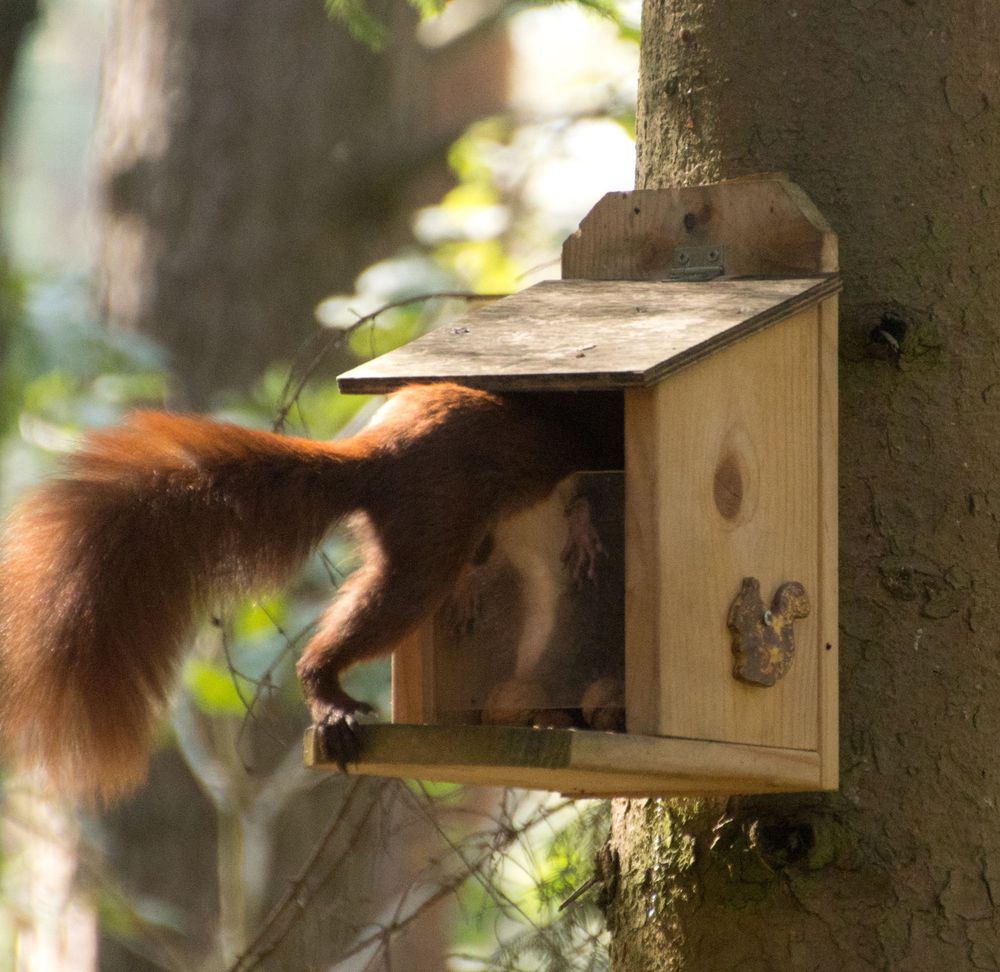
x=886, y=113
x=254, y=159
x=16, y=16
x=56, y=927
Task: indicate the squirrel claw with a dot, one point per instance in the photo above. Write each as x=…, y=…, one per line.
x=462, y=607
x=583, y=543
x=338, y=728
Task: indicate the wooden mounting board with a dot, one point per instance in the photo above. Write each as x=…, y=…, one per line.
x=590, y=335
x=765, y=226
x=574, y=762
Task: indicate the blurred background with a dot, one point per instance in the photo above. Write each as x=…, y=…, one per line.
x=198, y=202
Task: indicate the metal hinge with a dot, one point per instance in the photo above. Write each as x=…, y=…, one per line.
x=697, y=263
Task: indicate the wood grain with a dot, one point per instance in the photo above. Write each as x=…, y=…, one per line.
x=828, y=593
x=573, y=762
x=413, y=677
x=766, y=227
x=590, y=335
x=644, y=569
x=752, y=409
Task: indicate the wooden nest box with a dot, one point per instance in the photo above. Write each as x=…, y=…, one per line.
x=697, y=329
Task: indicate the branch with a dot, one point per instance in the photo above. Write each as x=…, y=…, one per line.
x=301, y=891
x=384, y=933
x=297, y=380
x=503, y=836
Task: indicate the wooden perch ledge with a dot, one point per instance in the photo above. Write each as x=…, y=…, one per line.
x=573, y=762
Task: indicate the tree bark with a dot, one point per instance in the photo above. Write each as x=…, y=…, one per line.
x=886, y=113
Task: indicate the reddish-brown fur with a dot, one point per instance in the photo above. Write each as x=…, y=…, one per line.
x=104, y=570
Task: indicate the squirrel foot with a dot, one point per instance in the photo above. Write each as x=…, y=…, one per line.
x=462, y=607
x=583, y=543
x=338, y=725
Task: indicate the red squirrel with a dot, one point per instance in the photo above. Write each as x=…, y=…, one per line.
x=105, y=569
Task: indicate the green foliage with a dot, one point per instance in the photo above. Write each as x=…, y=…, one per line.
x=610, y=10
x=216, y=690
x=434, y=790
x=366, y=27
x=390, y=330
x=124, y=917
x=260, y=618
x=11, y=301
x=320, y=407
x=115, y=916
x=518, y=900
x=399, y=299
x=63, y=371
x=569, y=858
x=428, y=8
x=486, y=235
x=363, y=25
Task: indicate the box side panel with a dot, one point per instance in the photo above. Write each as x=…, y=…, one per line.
x=829, y=685
x=736, y=494
x=643, y=696
x=413, y=677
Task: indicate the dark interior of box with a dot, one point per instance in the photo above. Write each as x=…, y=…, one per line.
x=598, y=416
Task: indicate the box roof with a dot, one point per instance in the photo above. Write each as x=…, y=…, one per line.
x=590, y=334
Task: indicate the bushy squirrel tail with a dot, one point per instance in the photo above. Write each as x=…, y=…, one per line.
x=104, y=570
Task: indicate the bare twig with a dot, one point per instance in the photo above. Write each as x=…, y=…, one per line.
x=504, y=836
x=591, y=882
x=410, y=904
x=302, y=889
x=265, y=683
x=501, y=838
x=385, y=933
x=298, y=379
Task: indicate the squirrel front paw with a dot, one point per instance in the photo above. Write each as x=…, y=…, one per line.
x=337, y=723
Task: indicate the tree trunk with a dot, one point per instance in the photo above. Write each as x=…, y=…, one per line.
x=886, y=113
x=253, y=158
x=16, y=16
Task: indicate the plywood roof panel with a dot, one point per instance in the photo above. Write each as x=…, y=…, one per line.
x=590, y=334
